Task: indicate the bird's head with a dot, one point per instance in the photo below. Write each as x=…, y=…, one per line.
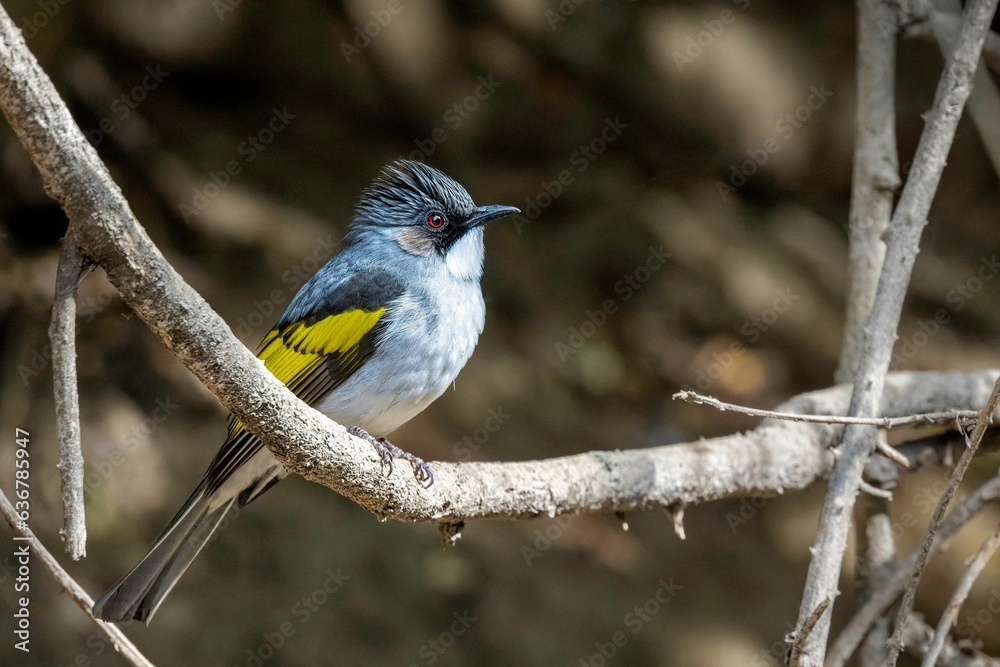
x=427, y=215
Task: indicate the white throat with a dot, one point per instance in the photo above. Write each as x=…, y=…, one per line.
x=465, y=258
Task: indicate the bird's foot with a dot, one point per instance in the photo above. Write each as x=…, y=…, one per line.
x=389, y=452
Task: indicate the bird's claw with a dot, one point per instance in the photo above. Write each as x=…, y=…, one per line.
x=388, y=452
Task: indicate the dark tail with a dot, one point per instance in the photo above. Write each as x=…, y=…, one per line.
x=141, y=591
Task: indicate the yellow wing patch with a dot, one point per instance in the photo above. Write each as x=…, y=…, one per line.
x=294, y=353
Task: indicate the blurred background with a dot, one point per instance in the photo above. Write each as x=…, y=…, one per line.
x=684, y=170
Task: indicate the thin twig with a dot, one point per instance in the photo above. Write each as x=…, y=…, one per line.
x=62, y=334
x=869, y=613
x=950, y=614
x=903, y=244
x=873, y=649
x=79, y=596
x=918, y=637
x=795, y=650
x=881, y=422
x=985, y=419
x=874, y=491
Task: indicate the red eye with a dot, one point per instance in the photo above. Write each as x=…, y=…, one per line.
x=435, y=221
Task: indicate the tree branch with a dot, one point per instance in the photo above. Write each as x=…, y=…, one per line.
x=985, y=419
x=876, y=172
x=869, y=613
x=918, y=636
x=958, y=598
x=874, y=180
x=62, y=334
x=984, y=102
x=950, y=22
x=908, y=222
x=79, y=596
x=774, y=458
x=886, y=422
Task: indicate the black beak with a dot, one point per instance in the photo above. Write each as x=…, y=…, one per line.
x=484, y=214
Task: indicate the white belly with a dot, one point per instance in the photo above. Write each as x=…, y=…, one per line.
x=420, y=356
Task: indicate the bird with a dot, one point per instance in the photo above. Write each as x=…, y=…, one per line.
x=371, y=339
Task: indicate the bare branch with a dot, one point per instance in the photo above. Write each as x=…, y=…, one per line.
x=918, y=637
x=869, y=613
x=62, y=334
x=876, y=172
x=908, y=222
x=950, y=614
x=950, y=22
x=774, y=458
x=985, y=419
x=874, y=180
x=984, y=102
x=79, y=596
x=886, y=422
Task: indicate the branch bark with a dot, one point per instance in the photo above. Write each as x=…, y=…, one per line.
x=111, y=632
x=874, y=180
x=908, y=222
x=950, y=21
x=62, y=334
x=873, y=609
x=985, y=419
x=918, y=636
x=950, y=614
x=876, y=172
x=777, y=456
x=984, y=102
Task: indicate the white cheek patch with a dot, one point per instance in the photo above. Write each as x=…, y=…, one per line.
x=465, y=258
